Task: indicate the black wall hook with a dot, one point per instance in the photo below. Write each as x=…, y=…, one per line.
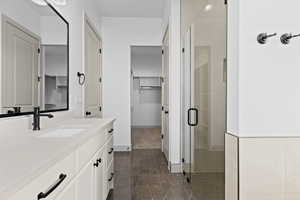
x=81, y=80
x=286, y=38
x=262, y=37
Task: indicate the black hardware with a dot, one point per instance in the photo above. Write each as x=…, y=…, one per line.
x=188, y=180
x=111, y=130
x=36, y=118
x=225, y=2
x=189, y=117
x=183, y=173
x=162, y=136
x=81, y=81
x=166, y=112
x=162, y=52
x=99, y=160
x=96, y=164
x=183, y=160
x=15, y=111
x=286, y=38
x=87, y=113
x=100, y=80
x=262, y=37
x=44, y=195
x=183, y=50
x=111, y=178
x=111, y=150
x=100, y=108
x=162, y=108
x=39, y=50
x=100, y=51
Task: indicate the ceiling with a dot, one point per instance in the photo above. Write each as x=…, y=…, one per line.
x=132, y=8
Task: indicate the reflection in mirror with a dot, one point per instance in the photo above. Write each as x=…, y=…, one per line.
x=34, y=63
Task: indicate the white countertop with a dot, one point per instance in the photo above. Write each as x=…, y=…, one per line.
x=25, y=156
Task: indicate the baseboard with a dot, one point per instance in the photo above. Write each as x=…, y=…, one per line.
x=176, y=168
x=145, y=126
x=121, y=148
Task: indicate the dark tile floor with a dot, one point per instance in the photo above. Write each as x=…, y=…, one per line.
x=143, y=175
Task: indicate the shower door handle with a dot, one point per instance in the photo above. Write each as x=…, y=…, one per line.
x=196, y=116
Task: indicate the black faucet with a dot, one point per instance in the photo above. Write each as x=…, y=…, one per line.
x=36, y=118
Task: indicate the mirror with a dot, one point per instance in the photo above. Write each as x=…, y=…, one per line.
x=34, y=58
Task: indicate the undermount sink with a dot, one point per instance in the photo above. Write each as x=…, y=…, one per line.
x=62, y=133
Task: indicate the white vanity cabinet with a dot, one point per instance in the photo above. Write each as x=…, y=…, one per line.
x=86, y=174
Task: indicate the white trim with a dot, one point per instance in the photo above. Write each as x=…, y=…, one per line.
x=176, y=168
x=122, y=148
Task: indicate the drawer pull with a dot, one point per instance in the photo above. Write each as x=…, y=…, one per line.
x=111, y=150
x=111, y=130
x=111, y=177
x=96, y=164
x=99, y=160
x=44, y=195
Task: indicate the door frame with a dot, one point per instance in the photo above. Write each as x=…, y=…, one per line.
x=166, y=34
x=87, y=22
x=131, y=76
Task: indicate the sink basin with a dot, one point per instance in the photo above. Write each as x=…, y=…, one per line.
x=62, y=133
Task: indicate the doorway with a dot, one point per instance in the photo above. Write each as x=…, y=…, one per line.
x=204, y=96
x=146, y=92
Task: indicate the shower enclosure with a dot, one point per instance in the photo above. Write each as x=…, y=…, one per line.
x=204, y=33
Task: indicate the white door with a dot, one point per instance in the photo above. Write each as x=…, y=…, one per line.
x=99, y=178
x=93, y=73
x=165, y=96
x=20, y=69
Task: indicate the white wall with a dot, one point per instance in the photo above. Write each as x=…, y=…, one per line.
x=118, y=35
x=53, y=30
x=265, y=99
x=174, y=83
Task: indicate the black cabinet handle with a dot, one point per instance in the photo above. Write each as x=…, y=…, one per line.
x=87, y=113
x=96, y=164
x=99, y=160
x=189, y=117
x=111, y=130
x=166, y=112
x=111, y=177
x=44, y=195
x=111, y=150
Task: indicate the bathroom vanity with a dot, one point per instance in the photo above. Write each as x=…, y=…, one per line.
x=72, y=161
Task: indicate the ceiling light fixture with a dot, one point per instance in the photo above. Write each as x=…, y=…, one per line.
x=56, y=2
x=208, y=6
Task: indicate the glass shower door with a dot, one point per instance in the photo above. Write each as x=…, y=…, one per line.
x=204, y=27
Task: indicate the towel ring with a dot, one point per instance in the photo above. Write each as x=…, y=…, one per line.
x=81, y=78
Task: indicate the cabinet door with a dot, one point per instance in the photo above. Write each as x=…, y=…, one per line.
x=85, y=183
x=99, y=176
x=68, y=193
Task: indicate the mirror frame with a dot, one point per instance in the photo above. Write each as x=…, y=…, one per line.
x=68, y=71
